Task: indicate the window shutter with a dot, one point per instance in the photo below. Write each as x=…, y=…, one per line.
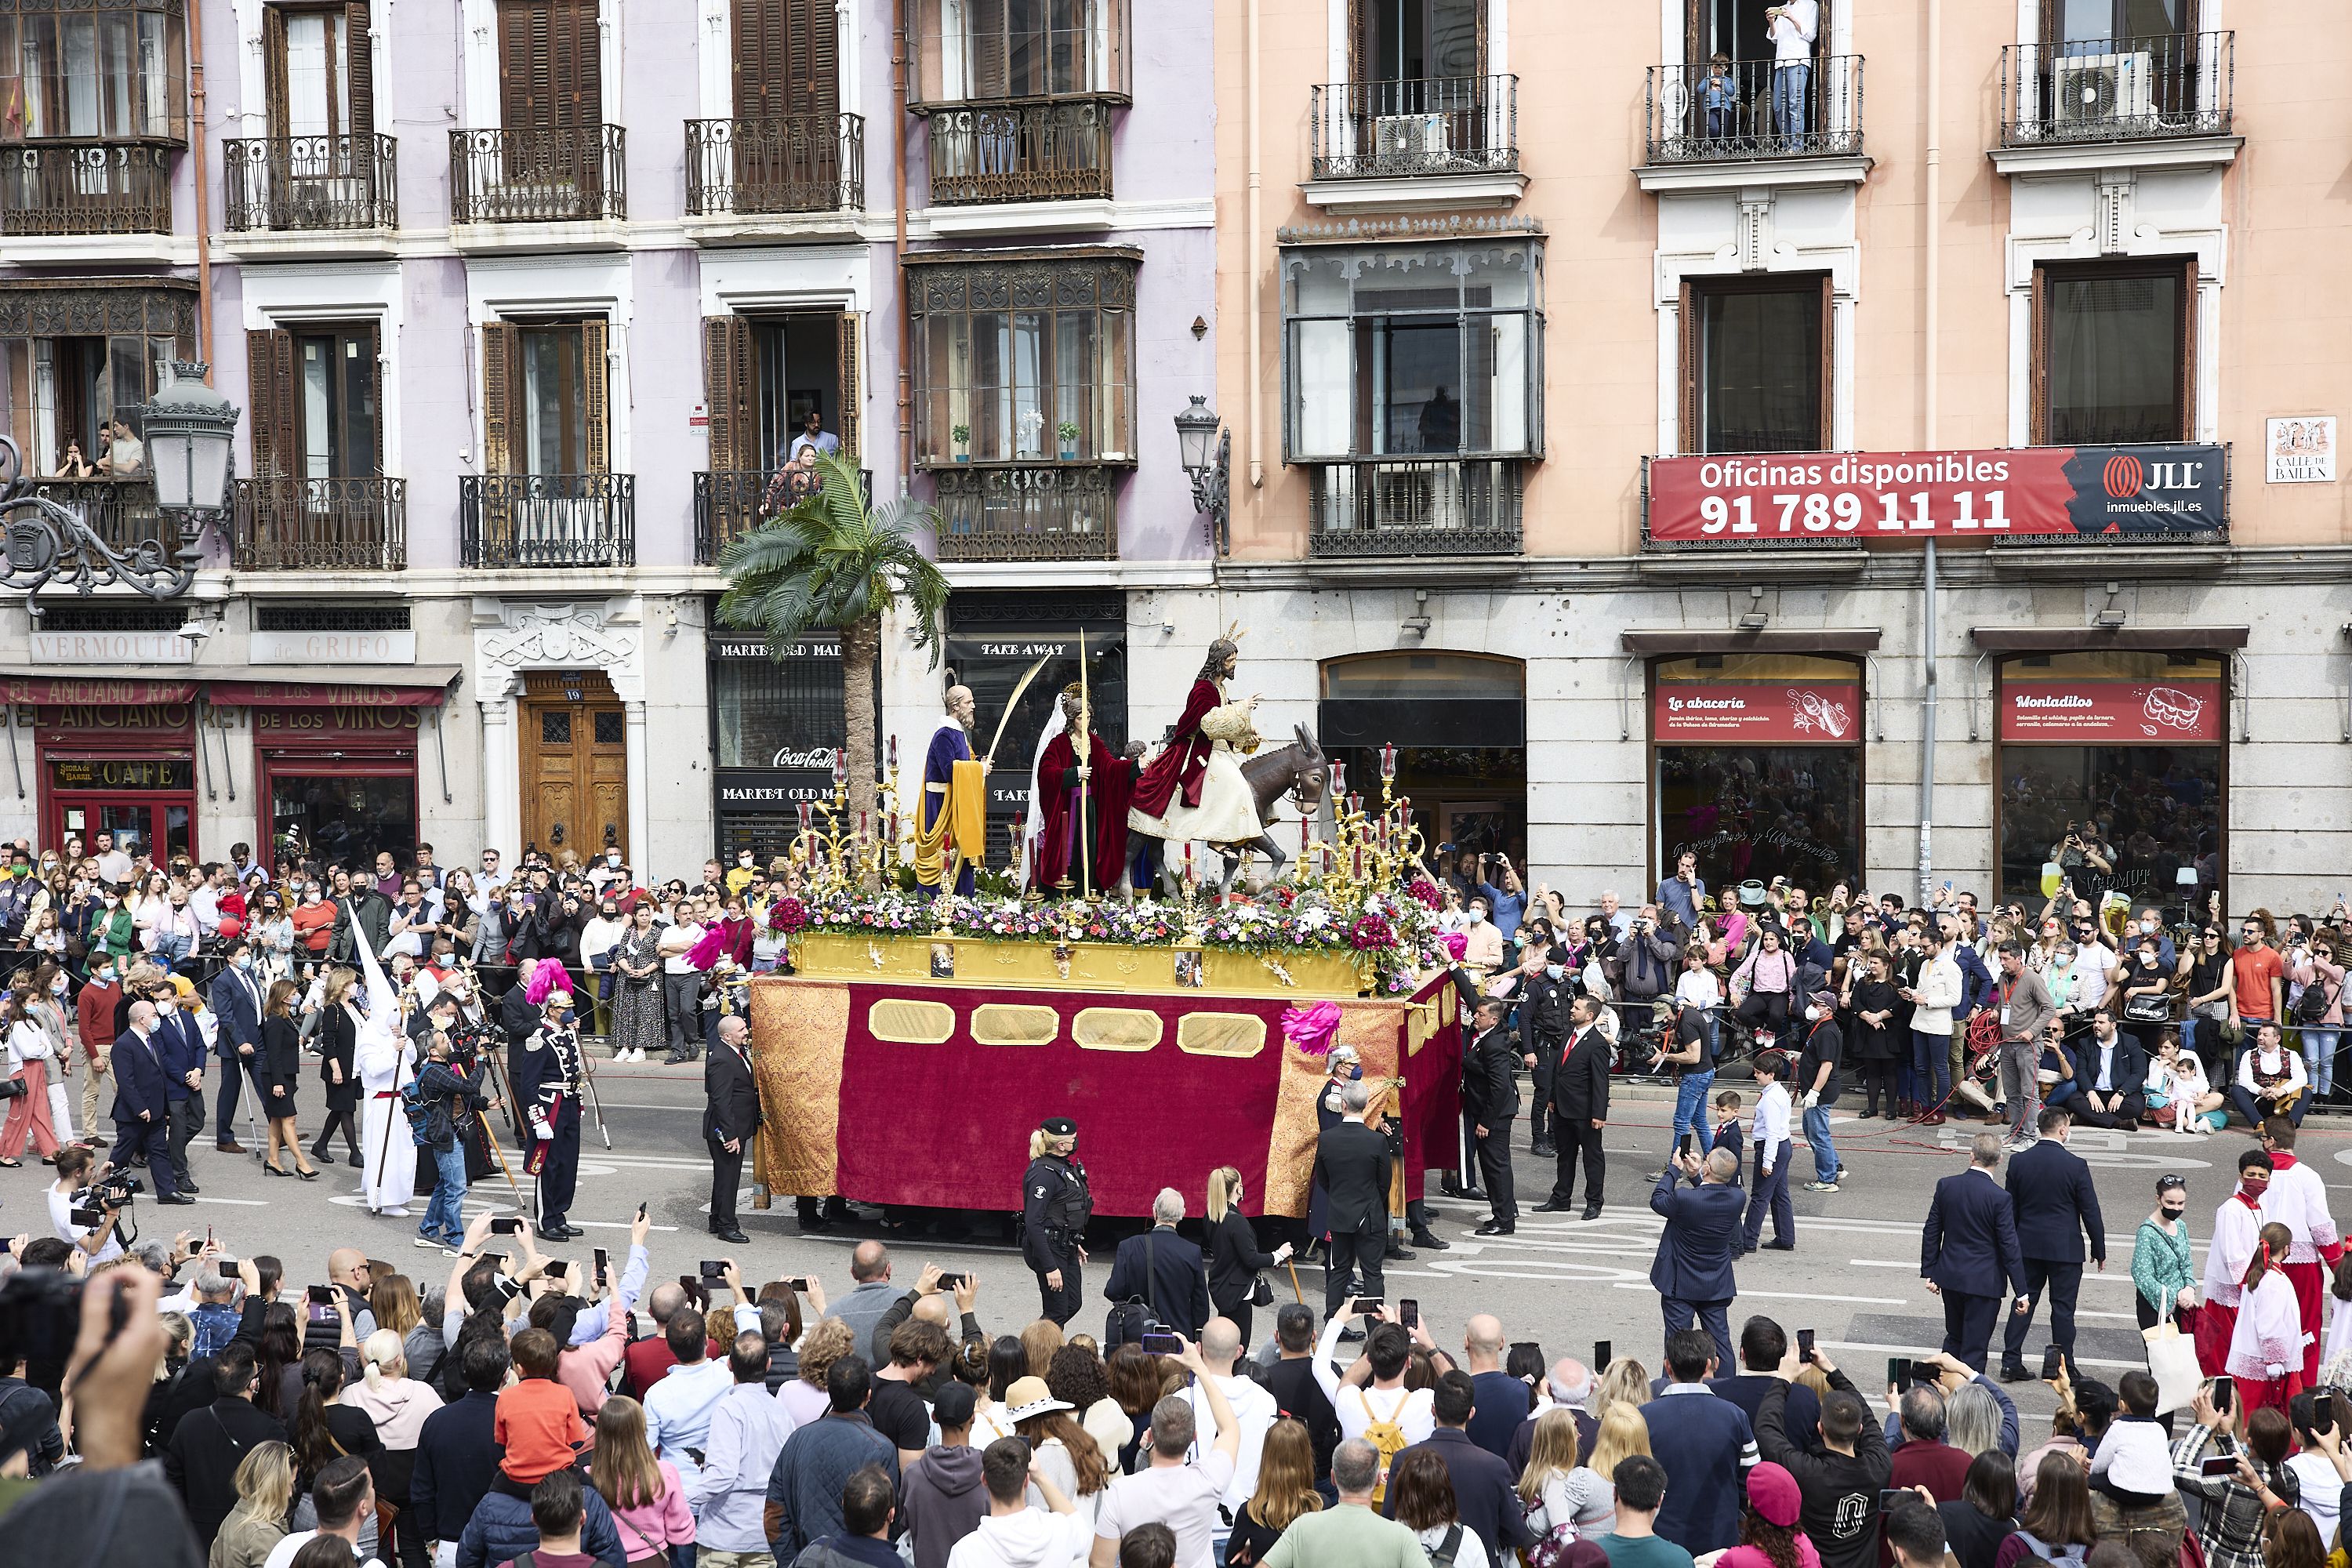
x=1692, y=438
x=1829, y=364
x=594, y=336
x=1360, y=43
x=273, y=71
x=726, y=392
x=271, y=388
x=816, y=89
x=373, y=339
x=2187, y=431
x=359, y=68
x=577, y=74
x=500, y=392
x=2038, y=383
x=852, y=392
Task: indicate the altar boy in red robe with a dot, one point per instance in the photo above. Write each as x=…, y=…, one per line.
x=1099, y=811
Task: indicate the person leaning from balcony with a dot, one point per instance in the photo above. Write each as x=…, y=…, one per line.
x=125, y=453
x=76, y=466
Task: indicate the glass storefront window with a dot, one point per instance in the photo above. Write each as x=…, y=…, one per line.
x=1758, y=768
x=336, y=817
x=775, y=715
x=2112, y=770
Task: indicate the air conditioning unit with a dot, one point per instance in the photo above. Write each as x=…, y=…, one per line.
x=1411, y=137
x=2097, y=90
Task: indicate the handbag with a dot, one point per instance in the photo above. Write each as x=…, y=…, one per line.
x=2172, y=1362
x=1261, y=1291
x=2143, y=1007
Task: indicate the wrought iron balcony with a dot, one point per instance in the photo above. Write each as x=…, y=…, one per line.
x=106, y=187
x=1027, y=514
x=2117, y=89
x=549, y=174
x=731, y=502
x=547, y=520
x=1415, y=506
x=321, y=525
x=1393, y=129
x=1755, y=108
x=121, y=513
x=317, y=183
x=1041, y=151
x=776, y=163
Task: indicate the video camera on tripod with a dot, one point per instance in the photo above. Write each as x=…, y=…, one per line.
x=92, y=1205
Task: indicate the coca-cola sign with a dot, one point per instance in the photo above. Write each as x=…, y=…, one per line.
x=2144, y=712
x=1779, y=712
x=804, y=757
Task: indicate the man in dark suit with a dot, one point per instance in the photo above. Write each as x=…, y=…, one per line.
x=142, y=1102
x=1490, y=1103
x=1705, y=1441
x=2110, y=1079
x=237, y=998
x=1580, y=1102
x=1969, y=1242
x=2050, y=1191
x=180, y=1047
x=730, y=1120
x=1692, y=1272
x=1351, y=1161
x=1164, y=1271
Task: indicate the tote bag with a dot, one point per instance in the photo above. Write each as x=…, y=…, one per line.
x=2172, y=1362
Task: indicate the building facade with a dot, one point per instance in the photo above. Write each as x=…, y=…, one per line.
x=526, y=302
x=1515, y=297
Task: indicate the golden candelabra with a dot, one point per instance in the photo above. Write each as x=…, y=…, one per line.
x=846, y=851
x=1370, y=850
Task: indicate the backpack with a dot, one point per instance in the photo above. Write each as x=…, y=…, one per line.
x=1387, y=1438
x=1442, y=1554
x=2311, y=1007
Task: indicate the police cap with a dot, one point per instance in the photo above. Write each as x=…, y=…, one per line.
x=1059, y=1127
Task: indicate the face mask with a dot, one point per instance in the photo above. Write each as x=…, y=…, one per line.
x=103, y=976
x=744, y=861
x=612, y=859
x=1813, y=1014
x=245, y=960
x=310, y=895
x=111, y=901
x=1355, y=1073
x=1555, y=971
x=57, y=986
x=167, y=1008
x=2173, y=1214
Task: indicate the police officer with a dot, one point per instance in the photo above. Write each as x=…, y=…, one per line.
x=1055, y=1205
x=1544, y=992
x=548, y=1084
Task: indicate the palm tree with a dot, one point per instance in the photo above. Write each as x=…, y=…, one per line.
x=831, y=563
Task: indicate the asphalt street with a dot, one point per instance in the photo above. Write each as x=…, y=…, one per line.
x=1564, y=1281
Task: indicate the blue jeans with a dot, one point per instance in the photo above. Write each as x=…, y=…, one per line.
x=2319, y=1057
x=1791, y=88
x=1690, y=1109
x=1931, y=1067
x=1817, y=1134
x=444, y=1217
x=173, y=950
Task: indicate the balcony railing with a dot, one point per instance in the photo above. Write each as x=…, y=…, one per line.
x=552, y=174
x=731, y=502
x=1028, y=514
x=1403, y=507
x=114, y=187
x=777, y=164
x=321, y=525
x=547, y=520
x=1443, y=125
x=1755, y=108
x=119, y=511
x=312, y=183
x=1033, y=152
x=2117, y=89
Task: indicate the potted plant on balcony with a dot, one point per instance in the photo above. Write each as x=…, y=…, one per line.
x=961, y=434
x=1068, y=431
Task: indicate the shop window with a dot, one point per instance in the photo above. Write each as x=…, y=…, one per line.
x=95, y=69
x=1412, y=350
x=2113, y=768
x=2113, y=360
x=1757, y=768
x=1756, y=365
x=336, y=817
x=1466, y=767
x=778, y=715
x=1028, y=361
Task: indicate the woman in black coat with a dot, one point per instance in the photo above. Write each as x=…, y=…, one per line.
x=339, y=1038
x=1234, y=1258
x=282, y=1069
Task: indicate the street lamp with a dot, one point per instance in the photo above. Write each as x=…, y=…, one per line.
x=1198, y=430
x=190, y=429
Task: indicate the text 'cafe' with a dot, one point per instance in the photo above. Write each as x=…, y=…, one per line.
x=150, y=762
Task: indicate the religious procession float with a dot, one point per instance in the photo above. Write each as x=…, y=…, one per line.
x=938, y=1012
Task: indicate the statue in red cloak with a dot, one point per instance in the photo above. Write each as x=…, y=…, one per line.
x=1099, y=811
x=1184, y=760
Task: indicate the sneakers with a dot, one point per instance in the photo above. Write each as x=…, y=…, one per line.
x=1820, y=1187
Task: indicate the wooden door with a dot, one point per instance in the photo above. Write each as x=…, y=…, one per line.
x=786, y=59
x=550, y=71
x=575, y=763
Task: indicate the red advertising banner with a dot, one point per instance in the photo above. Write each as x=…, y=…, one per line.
x=1779, y=712
x=2126, y=713
x=2143, y=493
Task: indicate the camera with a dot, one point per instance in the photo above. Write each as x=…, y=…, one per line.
x=40, y=1315
x=88, y=1205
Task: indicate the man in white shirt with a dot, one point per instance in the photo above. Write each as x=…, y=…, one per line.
x=1770, y=1132
x=1171, y=1491
x=1389, y=1347
x=113, y=864
x=1254, y=1409
x=2297, y=1199
x=493, y=875
x=679, y=1408
x=682, y=982
x=1793, y=24
x=2271, y=1081
x=345, y=1497
x=204, y=899
x=1012, y=1534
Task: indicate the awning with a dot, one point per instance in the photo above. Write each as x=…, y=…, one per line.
x=1682, y=640
x=2092, y=639
x=235, y=686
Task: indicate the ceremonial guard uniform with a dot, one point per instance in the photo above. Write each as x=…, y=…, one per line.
x=547, y=1082
x=1055, y=1205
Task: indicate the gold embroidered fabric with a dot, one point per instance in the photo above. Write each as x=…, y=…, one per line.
x=1116, y=1029
x=903, y=1021
x=799, y=1031
x=1373, y=1027
x=1220, y=1034
x=1013, y=1024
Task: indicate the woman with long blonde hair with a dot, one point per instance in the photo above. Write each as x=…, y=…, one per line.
x=1557, y=1489
x=264, y=1495
x=1286, y=1489
x=1590, y=1495
x=1235, y=1257
x=648, y=1500
x=1623, y=1382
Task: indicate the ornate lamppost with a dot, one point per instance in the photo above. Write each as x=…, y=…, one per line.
x=1207, y=453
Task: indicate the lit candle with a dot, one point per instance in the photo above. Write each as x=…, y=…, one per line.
x=840, y=766
x=1388, y=761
